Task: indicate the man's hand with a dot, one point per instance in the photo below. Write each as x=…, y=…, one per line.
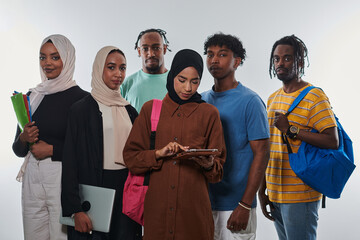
x=41, y=150
x=264, y=202
x=281, y=122
x=238, y=220
x=82, y=222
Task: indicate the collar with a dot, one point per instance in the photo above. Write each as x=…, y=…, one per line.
x=239, y=85
x=172, y=107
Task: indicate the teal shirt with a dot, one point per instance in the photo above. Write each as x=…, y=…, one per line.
x=141, y=87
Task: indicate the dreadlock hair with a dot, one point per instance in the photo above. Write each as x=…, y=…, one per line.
x=230, y=41
x=300, y=54
x=161, y=32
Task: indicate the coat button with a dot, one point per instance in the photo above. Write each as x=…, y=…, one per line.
x=175, y=138
x=179, y=114
x=174, y=162
x=171, y=231
x=171, y=209
x=172, y=187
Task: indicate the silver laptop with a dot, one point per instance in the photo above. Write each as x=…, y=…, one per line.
x=99, y=202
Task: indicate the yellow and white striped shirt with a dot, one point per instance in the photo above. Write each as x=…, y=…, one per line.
x=314, y=111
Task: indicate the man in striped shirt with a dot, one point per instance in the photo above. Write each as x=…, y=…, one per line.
x=293, y=204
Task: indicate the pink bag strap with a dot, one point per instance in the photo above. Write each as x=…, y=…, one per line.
x=155, y=114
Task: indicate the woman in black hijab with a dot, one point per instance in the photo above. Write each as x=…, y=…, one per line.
x=177, y=204
x=183, y=59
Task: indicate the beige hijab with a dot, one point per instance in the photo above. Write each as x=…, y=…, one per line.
x=113, y=99
x=63, y=82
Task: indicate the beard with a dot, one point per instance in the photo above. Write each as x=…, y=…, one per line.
x=153, y=69
x=287, y=77
x=284, y=79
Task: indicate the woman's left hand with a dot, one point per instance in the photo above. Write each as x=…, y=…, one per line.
x=41, y=150
x=205, y=162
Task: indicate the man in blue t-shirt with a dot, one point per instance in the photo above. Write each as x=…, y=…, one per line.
x=150, y=81
x=246, y=131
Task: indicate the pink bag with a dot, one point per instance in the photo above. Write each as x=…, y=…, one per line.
x=136, y=186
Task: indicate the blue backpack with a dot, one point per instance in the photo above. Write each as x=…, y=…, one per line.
x=325, y=170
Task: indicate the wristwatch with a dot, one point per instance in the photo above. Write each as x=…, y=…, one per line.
x=292, y=131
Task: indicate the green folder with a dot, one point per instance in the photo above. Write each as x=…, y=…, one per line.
x=20, y=109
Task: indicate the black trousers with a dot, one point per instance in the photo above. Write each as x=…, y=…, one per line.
x=122, y=227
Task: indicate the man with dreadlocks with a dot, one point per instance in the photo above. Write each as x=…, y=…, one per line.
x=246, y=132
x=149, y=82
x=293, y=204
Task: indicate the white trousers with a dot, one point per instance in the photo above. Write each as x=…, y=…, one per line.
x=41, y=204
x=222, y=233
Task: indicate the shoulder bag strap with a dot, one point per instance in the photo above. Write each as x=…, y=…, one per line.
x=292, y=107
x=299, y=98
x=155, y=116
x=155, y=113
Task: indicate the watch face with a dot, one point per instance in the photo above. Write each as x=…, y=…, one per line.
x=293, y=129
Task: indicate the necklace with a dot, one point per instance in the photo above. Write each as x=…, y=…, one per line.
x=235, y=84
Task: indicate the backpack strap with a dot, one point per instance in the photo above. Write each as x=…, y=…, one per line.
x=155, y=116
x=323, y=201
x=299, y=98
x=296, y=102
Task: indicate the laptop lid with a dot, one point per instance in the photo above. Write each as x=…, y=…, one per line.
x=98, y=204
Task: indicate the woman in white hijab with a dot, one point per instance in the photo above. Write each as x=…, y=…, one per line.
x=41, y=141
x=98, y=128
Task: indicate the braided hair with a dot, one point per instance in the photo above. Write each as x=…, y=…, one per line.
x=161, y=32
x=300, y=54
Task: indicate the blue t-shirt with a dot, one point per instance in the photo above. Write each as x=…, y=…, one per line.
x=243, y=116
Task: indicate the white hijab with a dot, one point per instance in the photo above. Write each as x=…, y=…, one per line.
x=63, y=82
x=113, y=99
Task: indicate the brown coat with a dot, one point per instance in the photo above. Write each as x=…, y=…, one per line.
x=177, y=204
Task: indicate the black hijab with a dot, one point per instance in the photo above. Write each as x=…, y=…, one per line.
x=183, y=59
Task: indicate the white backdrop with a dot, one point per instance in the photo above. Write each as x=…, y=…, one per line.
x=329, y=28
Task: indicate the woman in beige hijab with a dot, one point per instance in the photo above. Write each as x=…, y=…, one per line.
x=41, y=141
x=98, y=128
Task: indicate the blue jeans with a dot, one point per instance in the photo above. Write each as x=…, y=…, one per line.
x=296, y=221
